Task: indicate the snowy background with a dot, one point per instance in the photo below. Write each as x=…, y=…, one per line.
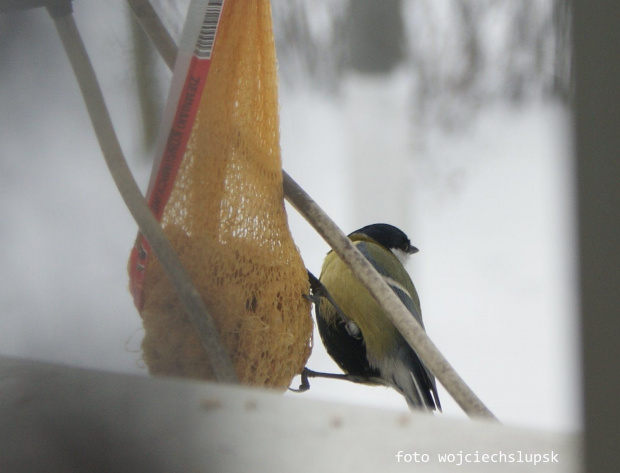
x=482, y=186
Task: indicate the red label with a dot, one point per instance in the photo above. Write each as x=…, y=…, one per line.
x=169, y=168
x=179, y=134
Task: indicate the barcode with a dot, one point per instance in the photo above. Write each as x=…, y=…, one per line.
x=208, y=29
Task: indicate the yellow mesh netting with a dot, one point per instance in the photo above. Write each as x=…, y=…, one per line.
x=226, y=219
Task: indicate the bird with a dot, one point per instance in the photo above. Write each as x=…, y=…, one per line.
x=355, y=330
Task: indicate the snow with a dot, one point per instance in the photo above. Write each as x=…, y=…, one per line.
x=489, y=206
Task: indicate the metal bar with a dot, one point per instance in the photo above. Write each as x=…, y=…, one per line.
x=154, y=28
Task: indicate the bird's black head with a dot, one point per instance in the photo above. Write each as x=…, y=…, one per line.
x=388, y=236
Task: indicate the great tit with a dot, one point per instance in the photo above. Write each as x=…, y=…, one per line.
x=357, y=334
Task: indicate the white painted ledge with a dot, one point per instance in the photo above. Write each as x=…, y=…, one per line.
x=60, y=419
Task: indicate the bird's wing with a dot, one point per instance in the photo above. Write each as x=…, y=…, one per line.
x=400, y=282
x=398, y=278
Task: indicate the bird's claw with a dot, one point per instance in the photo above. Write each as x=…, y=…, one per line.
x=305, y=384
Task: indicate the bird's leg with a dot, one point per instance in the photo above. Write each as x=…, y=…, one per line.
x=317, y=290
x=343, y=377
x=308, y=373
x=305, y=384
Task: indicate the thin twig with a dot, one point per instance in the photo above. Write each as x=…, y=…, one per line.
x=389, y=302
x=149, y=226
x=154, y=28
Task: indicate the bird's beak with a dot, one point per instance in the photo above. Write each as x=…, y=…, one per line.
x=412, y=250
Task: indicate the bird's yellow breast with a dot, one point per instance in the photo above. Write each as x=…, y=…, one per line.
x=357, y=304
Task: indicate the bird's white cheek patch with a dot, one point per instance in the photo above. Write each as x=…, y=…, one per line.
x=402, y=256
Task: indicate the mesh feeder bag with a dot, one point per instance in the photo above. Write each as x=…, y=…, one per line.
x=224, y=213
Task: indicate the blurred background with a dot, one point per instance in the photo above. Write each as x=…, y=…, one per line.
x=448, y=119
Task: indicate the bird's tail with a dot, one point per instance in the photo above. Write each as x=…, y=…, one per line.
x=411, y=378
